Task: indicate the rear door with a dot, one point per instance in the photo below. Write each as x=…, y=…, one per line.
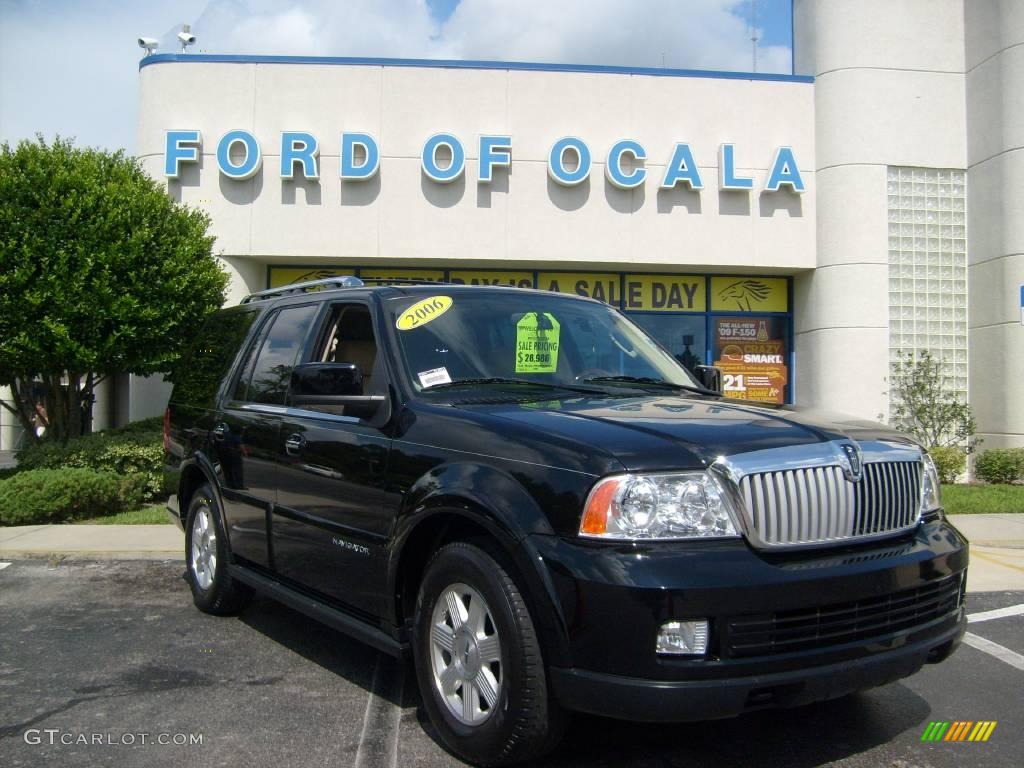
x=246, y=434
x=329, y=526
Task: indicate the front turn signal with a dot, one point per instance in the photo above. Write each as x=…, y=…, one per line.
x=595, y=516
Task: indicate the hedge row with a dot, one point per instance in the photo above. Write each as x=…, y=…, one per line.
x=39, y=496
x=998, y=466
x=133, y=450
x=99, y=474
x=1001, y=465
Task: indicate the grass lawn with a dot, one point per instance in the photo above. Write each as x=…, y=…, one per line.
x=148, y=515
x=975, y=499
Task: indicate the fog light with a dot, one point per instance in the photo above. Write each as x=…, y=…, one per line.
x=683, y=638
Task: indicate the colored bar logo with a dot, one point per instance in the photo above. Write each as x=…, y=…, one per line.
x=958, y=730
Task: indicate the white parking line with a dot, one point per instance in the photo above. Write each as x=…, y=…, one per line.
x=3, y=565
x=1012, y=658
x=998, y=613
x=378, y=743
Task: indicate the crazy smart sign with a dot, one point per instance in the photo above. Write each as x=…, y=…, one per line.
x=751, y=352
x=445, y=156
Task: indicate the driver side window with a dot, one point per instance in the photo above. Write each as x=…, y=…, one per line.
x=349, y=338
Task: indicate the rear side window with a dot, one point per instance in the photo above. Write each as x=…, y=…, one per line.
x=268, y=371
x=200, y=372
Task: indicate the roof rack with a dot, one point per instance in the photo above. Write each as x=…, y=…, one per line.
x=345, y=281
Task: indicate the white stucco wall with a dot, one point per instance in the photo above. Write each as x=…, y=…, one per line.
x=994, y=35
x=889, y=90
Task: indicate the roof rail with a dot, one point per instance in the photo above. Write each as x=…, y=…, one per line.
x=344, y=281
x=403, y=281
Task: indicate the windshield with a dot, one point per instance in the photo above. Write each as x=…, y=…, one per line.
x=526, y=337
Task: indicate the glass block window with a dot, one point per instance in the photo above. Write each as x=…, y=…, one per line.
x=928, y=267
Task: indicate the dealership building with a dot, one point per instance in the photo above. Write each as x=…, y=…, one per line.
x=799, y=231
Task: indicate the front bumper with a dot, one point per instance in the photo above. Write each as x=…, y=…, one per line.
x=613, y=599
x=630, y=698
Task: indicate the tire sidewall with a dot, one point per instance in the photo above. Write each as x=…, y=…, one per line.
x=474, y=567
x=206, y=599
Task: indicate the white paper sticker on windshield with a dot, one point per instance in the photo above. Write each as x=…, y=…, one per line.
x=434, y=377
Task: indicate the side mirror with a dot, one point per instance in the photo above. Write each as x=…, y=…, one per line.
x=709, y=377
x=333, y=385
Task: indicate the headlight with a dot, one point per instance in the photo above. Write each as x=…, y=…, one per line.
x=682, y=505
x=930, y=500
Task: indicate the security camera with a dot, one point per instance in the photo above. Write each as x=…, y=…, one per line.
x=149, y=44
x=185, y=37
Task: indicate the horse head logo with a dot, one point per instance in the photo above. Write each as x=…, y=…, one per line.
x=742, y=291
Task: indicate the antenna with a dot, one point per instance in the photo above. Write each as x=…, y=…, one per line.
x=753, y=35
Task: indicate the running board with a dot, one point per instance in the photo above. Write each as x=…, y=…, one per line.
x=325, y=614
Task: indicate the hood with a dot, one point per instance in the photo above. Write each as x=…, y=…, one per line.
x=666, y=431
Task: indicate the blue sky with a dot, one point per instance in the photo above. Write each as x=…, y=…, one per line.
x=71, y=66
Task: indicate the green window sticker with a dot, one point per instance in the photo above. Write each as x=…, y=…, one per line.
x=537, y=343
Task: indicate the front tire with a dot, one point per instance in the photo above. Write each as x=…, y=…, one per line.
x=206, y=553
x=479, y=662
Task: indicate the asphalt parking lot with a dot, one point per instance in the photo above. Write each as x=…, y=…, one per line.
x=114, y=652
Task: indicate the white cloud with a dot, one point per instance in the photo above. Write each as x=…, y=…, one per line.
x=70, y=67
x=698, y=34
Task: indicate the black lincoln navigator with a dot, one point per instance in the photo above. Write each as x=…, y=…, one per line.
x=537, y=504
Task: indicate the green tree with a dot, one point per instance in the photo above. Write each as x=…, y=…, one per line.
x=100, y=272
x=925, y=405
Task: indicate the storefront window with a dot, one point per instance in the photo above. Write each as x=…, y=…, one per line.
x=682, y=335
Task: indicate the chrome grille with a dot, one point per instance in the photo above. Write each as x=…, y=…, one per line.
x=813, y=505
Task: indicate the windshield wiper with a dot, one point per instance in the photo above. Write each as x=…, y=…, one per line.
x=505, y=380
x=649, y=381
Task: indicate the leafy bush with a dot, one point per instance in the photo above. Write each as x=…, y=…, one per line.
x=125, y=452
x=53, y=495
x=950, y=461
x=1000, y=465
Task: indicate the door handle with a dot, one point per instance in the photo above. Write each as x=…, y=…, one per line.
x=294, y=445
x=220, y=431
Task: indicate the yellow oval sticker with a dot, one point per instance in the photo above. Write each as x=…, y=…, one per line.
x=422, y=312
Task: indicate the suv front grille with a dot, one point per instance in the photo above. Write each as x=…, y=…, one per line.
x=839, y=623
x=819, y=505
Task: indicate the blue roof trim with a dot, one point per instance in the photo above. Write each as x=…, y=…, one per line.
x=209, y=58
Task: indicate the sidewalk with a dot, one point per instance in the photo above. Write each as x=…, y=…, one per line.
x=105, y=542
x=997, y=551
x=997, y=545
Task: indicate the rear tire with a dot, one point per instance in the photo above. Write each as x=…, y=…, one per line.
x=479, y=662
x=206, y=554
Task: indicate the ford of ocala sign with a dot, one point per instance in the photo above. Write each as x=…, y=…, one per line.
x=443, y=160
